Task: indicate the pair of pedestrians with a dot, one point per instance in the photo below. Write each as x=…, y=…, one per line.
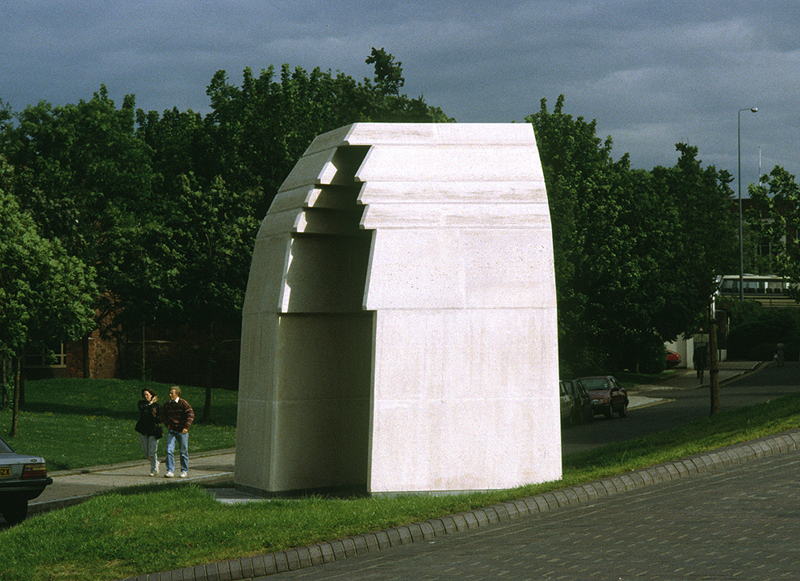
x=177, y=415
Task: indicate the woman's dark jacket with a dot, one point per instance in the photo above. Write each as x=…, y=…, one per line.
x=148, y=424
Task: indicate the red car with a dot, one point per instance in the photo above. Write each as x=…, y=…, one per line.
x=673, y=358
x=607, y=395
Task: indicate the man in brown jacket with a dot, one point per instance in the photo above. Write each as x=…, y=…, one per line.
x=177, y=416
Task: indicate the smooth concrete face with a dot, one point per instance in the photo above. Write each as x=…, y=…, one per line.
x=473, y=422
x=399, y=330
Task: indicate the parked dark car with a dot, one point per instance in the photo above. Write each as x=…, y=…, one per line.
x=582, y=410
x=608, y=396
x=22, y=478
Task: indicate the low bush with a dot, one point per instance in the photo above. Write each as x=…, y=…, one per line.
x=755, y=331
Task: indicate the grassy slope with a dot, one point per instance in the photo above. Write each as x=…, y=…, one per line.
x=75, y=423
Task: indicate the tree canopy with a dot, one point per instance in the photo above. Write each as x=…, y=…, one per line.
x=45, y=294
x=774, y=219
x=636, y=251
x=165, y=207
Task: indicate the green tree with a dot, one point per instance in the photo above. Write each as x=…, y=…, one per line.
x=209, y=234
x=774, y=218
x=257, y=132
x=179, y=144
x=82, y=173
x=189, y=267
x=703, y=244
x=636, y=252
x=702, y=198
x=86, y=165
x=6, y=117
x=578, y=172
x=45, y=294
x=627, y=288
x=388, y=73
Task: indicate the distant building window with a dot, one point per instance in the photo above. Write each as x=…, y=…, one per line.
x=56, y=357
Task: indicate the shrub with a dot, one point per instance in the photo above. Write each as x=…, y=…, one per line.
x=755, y=331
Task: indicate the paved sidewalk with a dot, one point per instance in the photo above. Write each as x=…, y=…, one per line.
x=687, y=379
x=74, y=486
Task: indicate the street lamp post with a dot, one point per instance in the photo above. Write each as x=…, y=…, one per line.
x=741, y=240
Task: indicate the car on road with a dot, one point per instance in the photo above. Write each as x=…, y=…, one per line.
x=582, y=407
x=567, y=404
x=608, y=396
x=673, y=358
x=22, y=478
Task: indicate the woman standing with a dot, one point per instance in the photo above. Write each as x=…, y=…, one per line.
x=148, y=427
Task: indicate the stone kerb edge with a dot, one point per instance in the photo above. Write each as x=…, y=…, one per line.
x=330, y=551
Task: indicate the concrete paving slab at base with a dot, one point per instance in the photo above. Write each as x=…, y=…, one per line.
x=640, y=401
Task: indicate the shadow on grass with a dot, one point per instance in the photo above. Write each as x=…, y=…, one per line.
x=221, y=415
x=150, y=488
x=77, y=410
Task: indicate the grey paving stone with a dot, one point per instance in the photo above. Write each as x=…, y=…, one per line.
x=731, y=514
x=736, y=522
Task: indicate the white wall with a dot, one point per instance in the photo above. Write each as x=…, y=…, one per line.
x=399, y=331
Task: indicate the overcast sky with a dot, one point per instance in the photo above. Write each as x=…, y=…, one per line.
x=651, y=73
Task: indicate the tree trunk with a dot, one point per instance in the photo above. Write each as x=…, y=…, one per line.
x=85, y=348
x=21, y=365
x=3, y=381
x=17, y=367
x=144, y=354
x=210, y=358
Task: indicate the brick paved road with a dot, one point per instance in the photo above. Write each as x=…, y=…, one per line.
x=739, y=522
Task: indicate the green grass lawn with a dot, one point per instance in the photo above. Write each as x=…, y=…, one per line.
x=150, y=529
x=74, y=423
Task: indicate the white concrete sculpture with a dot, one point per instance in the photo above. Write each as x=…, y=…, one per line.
x=399, y=328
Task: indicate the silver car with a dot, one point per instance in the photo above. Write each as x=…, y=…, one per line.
x=568, y=404
x=22, y=478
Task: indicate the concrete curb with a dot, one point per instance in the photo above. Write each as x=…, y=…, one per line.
x=104, y=467
x=330, y=551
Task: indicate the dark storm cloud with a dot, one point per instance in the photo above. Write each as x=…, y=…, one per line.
x=651, y=73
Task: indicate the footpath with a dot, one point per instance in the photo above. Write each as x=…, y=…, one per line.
x=687, y=379
x=72, y=487
x=366, y=557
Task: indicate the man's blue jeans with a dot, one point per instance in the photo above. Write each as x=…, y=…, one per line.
x=183, y=446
